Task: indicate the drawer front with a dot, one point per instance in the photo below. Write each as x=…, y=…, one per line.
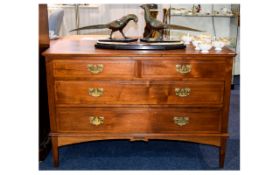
x=138, y=120
x=94, y=69
x=183, y=69
x=137, y=92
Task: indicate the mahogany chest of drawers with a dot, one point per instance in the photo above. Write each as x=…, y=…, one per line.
x=97, y=94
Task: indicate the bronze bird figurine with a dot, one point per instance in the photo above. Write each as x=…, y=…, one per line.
x=159, y=26
x=116, y=25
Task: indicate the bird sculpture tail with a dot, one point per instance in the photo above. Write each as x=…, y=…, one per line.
x=177, y=27
x=99, y=26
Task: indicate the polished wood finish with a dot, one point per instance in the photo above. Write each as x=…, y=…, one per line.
x=44, y=40
x=138, y=100
x=78, y=47
x=55, y=151
x=137, y=92
x=222, y=152
x=79, y=68
x=138, y=120
x=69, y=139
x=167, y=69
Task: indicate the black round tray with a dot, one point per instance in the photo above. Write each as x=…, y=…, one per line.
x=140, y=46
x=119, y=40
x=157, y=41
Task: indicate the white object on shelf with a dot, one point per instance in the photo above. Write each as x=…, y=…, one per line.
x=218, y=45
x=205, y=47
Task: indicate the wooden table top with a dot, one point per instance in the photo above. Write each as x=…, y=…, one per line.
x=83, y=45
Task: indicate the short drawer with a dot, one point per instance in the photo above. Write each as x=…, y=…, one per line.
x=183, y=69
x=138, y=120
x=138, y=92
x=94, y=69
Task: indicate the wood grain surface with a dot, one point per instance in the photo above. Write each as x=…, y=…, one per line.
x=138, y=99
x=139, y=120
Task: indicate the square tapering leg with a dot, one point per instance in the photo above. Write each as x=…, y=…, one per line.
x=222, y=151
x=55, y=152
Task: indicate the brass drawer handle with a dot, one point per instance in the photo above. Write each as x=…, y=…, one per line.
x=95, y=92
x=183, y=69
x=182, y=92
x=96, y=120
x=181, y=121
x=96, y=68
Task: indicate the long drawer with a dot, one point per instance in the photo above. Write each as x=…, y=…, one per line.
x=139, y=92
x=152, y=69
x=138, y=120
x=94, y=68
x=183, y=69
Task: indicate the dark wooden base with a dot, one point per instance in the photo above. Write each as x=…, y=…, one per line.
x=67, y=139
x=126, y=40
x=149, y=40
x=140, y=46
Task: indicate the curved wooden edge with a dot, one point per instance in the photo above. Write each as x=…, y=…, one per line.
x=209, y=139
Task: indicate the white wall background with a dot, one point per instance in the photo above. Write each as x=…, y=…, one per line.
x=222, y=24
x=104, y=13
